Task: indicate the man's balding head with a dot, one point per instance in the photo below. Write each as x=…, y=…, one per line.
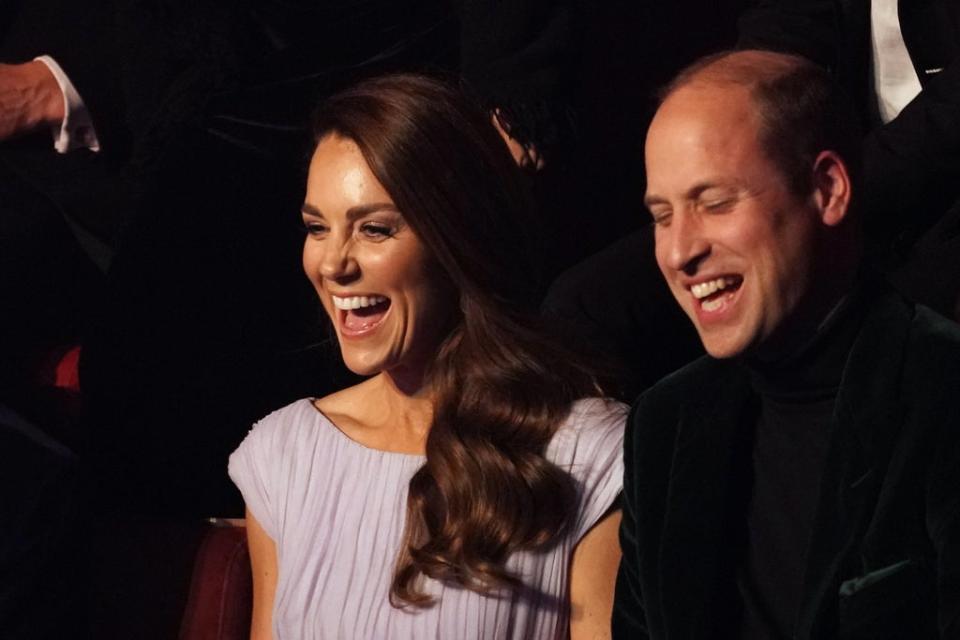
x=801, y=109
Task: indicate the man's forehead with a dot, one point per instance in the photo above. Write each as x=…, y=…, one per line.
x=701, y=134
x=708, y=105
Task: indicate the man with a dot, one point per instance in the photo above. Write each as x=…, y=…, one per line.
x=801, y=480
x=900, y=62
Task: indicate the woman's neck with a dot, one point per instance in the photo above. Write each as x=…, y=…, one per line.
x=396, y=404
x=379, y=414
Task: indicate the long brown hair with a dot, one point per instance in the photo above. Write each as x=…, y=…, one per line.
x=502, y=386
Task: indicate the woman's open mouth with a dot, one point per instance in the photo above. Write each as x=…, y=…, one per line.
x=360, y=315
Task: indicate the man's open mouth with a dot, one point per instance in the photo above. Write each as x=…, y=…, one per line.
x=710, y=294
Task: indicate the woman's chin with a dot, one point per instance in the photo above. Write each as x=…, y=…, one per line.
x=362, y=368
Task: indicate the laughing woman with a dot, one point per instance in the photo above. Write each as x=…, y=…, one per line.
x=467, y=488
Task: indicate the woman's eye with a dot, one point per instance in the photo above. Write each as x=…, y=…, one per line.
x=376, y=231
x=314, y=228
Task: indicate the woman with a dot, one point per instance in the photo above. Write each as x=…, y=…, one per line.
x=465, y=489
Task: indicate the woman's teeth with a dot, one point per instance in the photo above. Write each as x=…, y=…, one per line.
x=704, y=289
x=357, y=302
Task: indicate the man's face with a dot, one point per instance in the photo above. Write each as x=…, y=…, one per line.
x=735, y=245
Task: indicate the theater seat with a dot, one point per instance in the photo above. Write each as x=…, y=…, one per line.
x=157, y=579
x=220, y=598
x=66, y=372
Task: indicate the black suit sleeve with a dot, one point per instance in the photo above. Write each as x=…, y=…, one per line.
x=912, y=164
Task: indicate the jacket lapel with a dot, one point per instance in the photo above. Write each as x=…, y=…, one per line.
x=867, y=420
x=705, y=498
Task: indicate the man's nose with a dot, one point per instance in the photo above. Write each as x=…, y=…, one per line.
x=682, y=245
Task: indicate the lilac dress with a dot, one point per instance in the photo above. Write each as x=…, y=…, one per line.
x=336, y=511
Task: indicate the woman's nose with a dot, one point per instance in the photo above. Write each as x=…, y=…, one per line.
x=338, y=261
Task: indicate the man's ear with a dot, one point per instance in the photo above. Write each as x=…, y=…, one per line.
x=831, y=188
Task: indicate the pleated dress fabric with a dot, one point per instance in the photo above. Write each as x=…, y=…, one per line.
x=336, y=511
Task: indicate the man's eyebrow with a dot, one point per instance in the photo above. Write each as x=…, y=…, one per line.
x=692, y=193
x=353, y=212
x=651, y=199
x=697, y=190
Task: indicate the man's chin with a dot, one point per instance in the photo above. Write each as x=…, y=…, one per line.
x=718, y=341
x=724, y=344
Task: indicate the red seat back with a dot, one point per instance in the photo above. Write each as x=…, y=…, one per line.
x=221, y=589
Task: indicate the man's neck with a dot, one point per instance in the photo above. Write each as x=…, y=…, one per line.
x=813, y=315
x=797, y=333
x=814, y=362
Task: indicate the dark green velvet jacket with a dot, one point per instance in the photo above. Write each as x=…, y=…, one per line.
x=884, y=559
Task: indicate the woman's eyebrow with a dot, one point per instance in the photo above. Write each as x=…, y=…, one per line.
x=353, y=212
x=363, y=209
x=310, y=210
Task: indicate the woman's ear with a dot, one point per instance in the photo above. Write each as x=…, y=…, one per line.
x=831, y=188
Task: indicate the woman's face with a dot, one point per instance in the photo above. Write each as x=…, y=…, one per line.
x=387, y=298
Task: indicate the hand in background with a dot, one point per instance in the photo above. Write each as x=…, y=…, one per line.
x=29, y=99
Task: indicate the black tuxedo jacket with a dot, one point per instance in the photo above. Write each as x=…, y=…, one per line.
x=884, y=560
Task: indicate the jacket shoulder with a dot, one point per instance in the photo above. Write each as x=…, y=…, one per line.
x=934, y=338
x=697, y=380
x=656, y=413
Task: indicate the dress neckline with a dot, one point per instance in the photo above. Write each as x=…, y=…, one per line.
x=356, y=443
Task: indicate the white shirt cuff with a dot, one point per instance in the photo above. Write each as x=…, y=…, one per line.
x=76, y=131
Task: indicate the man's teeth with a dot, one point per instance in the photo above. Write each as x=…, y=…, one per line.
x=357, y=302
x=712, y=305
x=704, y=289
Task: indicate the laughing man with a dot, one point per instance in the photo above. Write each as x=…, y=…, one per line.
x=803, y=479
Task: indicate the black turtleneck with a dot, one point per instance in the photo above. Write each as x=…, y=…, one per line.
x=792, y=432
